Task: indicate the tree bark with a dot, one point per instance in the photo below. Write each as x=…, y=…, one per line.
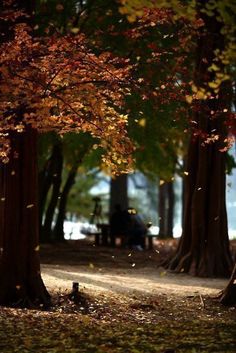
x=166, y=210
x=20, y=280
x=170, y=213
x=204, y=246
x=119, y=193
x=58, y=232
x=162, y=210
x=228, y=296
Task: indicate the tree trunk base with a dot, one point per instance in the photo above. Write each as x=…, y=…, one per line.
x=33, y=295
x=228, y=296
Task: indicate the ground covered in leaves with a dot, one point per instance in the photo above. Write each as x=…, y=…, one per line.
x=127, y=321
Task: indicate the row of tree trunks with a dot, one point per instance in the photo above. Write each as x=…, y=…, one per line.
x=46, y=176
x=53, y=180
x=20, y=279
x=166, y=210
x=54, y=196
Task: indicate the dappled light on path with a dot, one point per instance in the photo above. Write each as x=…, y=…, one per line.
x=126, y=281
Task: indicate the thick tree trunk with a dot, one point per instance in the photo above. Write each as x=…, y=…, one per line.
x=204, y=246
x=58, y=229
x=20, y=280
x=47, y=228
x=119, y=193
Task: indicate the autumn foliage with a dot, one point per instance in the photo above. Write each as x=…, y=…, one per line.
x=55, y=82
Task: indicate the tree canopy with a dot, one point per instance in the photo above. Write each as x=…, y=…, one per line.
x=55, y=82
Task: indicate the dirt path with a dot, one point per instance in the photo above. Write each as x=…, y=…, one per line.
x=119, y=272
x=149, y=281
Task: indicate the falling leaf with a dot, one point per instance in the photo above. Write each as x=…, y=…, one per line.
x=185, y=173
x=30, y=206
x=75, y=30
x=91, y=265
x=140, y=79
x=37, y=248
x=142, y=122
x=133, y=264
x=161, y=182
x=189, y=99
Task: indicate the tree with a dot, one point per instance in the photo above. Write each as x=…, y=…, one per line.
x=60, y=158
x=40, y=94
x=159, y=66
x=118, y=193
x=204, y=245
x=76, y=148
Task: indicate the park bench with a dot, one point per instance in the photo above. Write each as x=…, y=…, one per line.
x=103, y=237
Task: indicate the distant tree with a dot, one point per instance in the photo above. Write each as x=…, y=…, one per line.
x=158, y=55
x=119, y=193
x=166, y=202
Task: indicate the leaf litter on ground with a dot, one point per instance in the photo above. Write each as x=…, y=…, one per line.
x=108, y=322
x=135, y=324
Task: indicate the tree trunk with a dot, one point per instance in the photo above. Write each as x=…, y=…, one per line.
x=119, y=193
x=170, y=212
x=166, y=210
x=45, y=182
x=204, y=246
x=58, y=229
x=183, y=192
x=162, y=210
x=20, y=280
x=228, y=296
x=46, y=234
